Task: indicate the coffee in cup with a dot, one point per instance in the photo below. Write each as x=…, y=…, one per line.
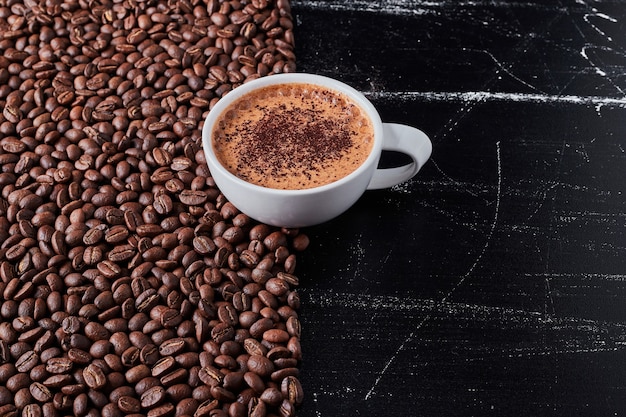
x=295, y=150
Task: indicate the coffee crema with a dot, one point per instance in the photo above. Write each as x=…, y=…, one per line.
x=293, y=136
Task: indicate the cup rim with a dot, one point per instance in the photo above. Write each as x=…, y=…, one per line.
x=298, y=78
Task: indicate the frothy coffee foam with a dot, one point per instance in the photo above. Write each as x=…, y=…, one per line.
x=293, y=136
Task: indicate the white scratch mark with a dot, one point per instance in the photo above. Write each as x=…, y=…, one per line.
x=359, y=253
x=584, y=54
x=493, y=225
x=452, y=180
x=549, y=299
x=599, y=71
x=544, y=196
x=413, y=7
x=509, y=73
x=393, y=357
x=409, y=338
x=481, y=96
x=386, y=259
x=392, y=7
x=584, y=276
x=602, y=16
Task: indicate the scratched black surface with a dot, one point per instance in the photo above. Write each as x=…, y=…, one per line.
x=494, y=283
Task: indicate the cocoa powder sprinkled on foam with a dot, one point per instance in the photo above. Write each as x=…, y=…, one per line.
x=303, y=140
x=279, y=135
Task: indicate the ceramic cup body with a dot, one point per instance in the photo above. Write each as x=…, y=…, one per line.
x=307, y=207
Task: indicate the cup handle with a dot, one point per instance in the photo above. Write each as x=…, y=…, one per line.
x=407, y=140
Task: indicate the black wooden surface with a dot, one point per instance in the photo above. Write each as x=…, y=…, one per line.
x=494, y=283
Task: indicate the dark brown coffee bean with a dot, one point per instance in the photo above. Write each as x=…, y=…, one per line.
x=128, y=404
x=18, y=381
x=172, y=346
x=174, y=377
x=260, y=365
x=211, y=376
x=222, y=332
x=149, y=354
x=280, y=374
x=271, y=396
x=204, y=245
x=254, y=381
x=80, y=404
x=137, y=373
x=58, y=381
x=274, y=240
x=287, y=409
x=78, y=356
x=162, y=410
x=96, y=331
x=170, y=318
x=121, y=253
x=27, y=361
x=292, y=390
x=227, y=314
x=254, y=347
x=163, y=366
x=40, y=392
x=130, y=356
x=260, y=327
x=277, y=286
x=94, y=377
x=22, y=398
x=205, y=408
x=276, y=336
x=152, y=397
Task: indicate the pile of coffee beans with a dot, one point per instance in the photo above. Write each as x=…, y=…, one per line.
x=129, y=284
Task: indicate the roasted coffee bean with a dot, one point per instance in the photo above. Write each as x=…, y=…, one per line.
x=78, y=356
x=254, y=381
x=27, y=361
x=276, y=336
x=174, y=377
x=137, y=373
x=40, y=392
x=32, y=410
x=162, y=410
x=271, y=396
x=222, y=332
x=94, y=376
x=260, y=365
x=152, y=396
x=172, y=346
x=287, y=409
x=211, y=376
x=292, y=390
x=163, y=366
x=128, y=404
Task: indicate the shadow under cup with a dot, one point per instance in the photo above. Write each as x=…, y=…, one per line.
x=295, y=208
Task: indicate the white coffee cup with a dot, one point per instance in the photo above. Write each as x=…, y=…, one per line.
x=311, y=206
